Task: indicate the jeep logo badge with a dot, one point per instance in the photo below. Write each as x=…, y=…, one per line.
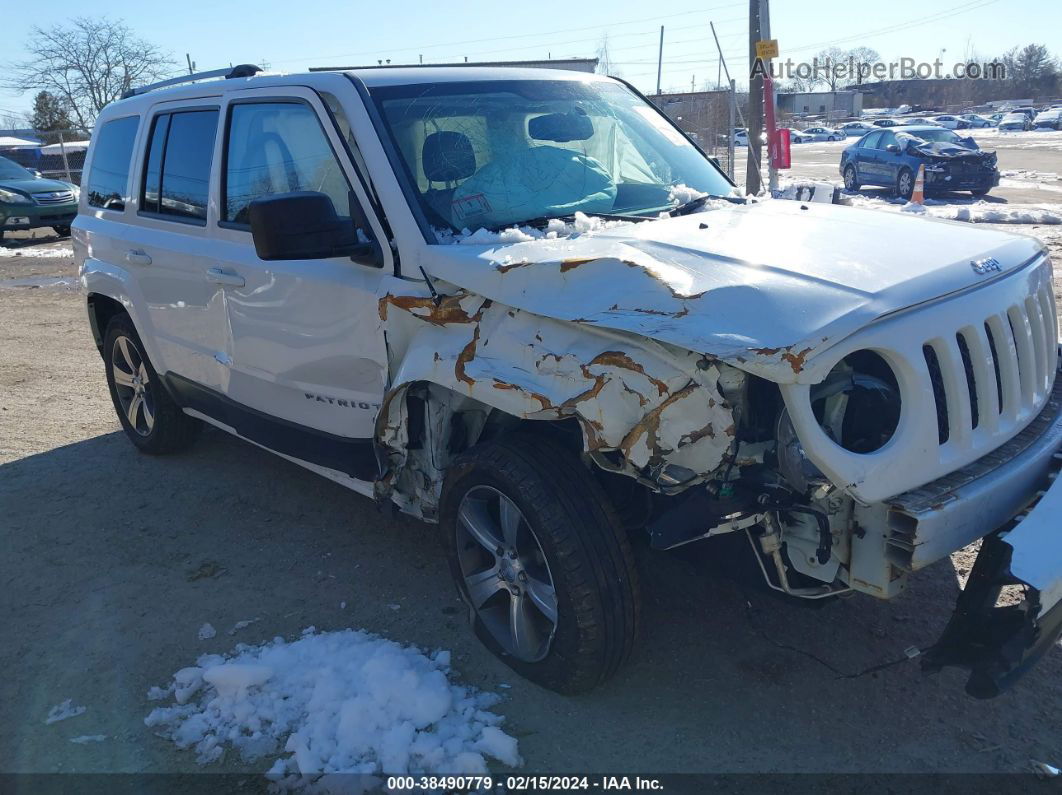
x=986, y=265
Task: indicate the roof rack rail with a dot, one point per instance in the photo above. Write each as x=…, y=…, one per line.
x=240, y=70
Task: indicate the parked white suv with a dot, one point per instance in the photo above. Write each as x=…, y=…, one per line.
x=521, y=304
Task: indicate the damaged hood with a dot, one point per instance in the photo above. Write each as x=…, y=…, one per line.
x=763, y=286
x=944, y=150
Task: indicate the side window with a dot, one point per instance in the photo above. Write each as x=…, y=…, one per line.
x=886, y=139
x=177, y=170
x=871, y=141
x=111, y=154
x=278, y=147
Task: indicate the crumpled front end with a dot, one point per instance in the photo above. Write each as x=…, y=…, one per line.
x=644, y=410
x=953, y=167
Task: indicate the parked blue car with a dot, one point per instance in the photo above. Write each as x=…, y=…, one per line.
x=891, y=157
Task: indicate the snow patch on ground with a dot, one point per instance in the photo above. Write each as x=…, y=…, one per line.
x=243, y=625
x=206, y=632
x=332, y=703
x=6, y=251
x=84, y=739
x=63, y=711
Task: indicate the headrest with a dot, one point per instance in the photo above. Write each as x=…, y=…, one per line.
x=448, y=156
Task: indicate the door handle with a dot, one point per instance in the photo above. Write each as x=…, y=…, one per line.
x=219, y=276
x=137, y=257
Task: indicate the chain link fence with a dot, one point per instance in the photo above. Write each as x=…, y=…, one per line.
x=55, y=154
x=709, y=118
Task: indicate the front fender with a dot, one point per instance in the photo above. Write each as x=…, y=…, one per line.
x=646, y=408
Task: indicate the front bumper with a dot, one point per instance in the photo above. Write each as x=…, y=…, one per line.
x=32, y=216
x=943, y=181
x=999, y=643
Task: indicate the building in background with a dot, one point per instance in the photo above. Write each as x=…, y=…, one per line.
x=831, y=104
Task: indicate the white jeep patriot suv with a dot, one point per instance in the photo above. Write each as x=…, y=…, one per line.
x=523, y=305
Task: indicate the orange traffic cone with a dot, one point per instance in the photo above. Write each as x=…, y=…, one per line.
x=918, y=193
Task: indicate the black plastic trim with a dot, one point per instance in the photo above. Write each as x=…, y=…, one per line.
x=354, y=457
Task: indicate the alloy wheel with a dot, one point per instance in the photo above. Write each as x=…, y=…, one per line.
x=131, y=382
x=905, y=184
x=505, y=574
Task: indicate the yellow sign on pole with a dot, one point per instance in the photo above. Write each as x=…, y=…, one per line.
x=767, y=48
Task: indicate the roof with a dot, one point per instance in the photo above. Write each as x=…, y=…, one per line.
x=69, y=146
x=412, y=75
x=372, y=77
x=10, y=142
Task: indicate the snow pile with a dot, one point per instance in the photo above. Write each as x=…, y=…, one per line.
x=56, y=253
x=63, y=711
x=337, y=702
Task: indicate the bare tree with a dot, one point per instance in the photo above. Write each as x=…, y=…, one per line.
x=605, y=64
x=88, y=64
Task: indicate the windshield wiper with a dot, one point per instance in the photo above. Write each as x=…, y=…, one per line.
x=695, y=204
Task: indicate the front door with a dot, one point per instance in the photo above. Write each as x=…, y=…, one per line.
x=309, y=364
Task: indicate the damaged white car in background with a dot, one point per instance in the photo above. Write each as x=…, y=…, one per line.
x=564, y=328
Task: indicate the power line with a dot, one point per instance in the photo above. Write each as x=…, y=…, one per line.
x=420, y=47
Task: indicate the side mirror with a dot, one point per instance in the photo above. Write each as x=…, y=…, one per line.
x=36, y=173
x=893, y=149
x=304, y=225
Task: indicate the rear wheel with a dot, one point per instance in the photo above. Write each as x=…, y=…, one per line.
x=980, y=191
x=851, y=181
x=63, y=230
x=540, y=558
x=150, y=418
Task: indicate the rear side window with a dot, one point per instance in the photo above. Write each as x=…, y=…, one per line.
x=177, y=171
x=111, y=155
x=278, y=147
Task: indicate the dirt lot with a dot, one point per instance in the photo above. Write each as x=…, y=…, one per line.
x=112, y=561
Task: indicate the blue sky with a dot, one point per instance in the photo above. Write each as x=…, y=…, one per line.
x=294, y=35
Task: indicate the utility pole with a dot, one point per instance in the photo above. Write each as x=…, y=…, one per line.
x=660, y=60
x=752, y=171
x=765, y=33
x=732, y=105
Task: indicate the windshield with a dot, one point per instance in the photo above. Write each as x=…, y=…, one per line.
x=490, y=154
x=941, y=135
x=9, y=169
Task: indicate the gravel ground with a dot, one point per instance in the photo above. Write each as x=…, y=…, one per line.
x=113, y=560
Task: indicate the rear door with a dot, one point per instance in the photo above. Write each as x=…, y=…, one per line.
x=309, y=364
x=170, y=242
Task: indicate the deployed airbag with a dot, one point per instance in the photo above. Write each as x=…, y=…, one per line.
x=538, y=181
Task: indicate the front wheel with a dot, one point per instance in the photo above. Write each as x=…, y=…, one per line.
x=851, y=181
x=149, y=417
x=905, y=184
x=539, y=556
x=62, y=230
x=980, y=192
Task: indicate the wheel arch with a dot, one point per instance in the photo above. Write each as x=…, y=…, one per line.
x=636, y=410
x=101, y=309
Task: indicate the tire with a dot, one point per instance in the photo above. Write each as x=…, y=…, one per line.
x=851, y=179
x=156, y=425
x=905, y=184
x=62, y=231
x=566, y=535
x=981, y=192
